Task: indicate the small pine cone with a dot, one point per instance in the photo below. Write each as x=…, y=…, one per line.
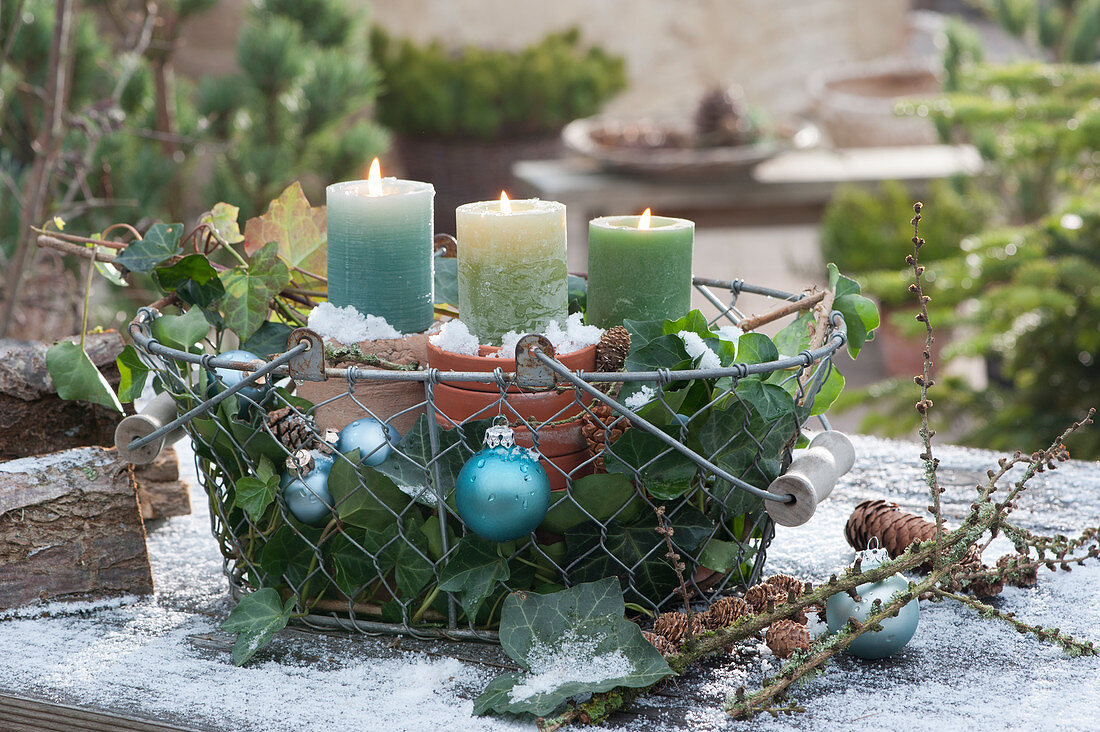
x=784, y=637
x=293, y=430
x=602, y=428
x=673, y=626
x=761, y=596
x=986, y=587
x=1020, y=577
x=895, y=529
x=663, y=645
x=612, y=350
x=786, y=583
x=726, y=611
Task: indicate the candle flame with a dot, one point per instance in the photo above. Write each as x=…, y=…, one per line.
x=505, y=204
x=643, y=220
x=374, y=179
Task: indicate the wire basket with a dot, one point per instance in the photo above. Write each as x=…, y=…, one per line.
x=393, y=555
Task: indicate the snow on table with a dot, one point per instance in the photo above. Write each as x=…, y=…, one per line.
x=149, y=658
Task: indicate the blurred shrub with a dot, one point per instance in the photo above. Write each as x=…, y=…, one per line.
x=480, y=93
x=300, y=106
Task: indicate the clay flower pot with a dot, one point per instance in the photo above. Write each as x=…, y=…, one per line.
x=560, y=442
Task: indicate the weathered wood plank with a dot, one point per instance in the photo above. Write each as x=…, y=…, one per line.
x=70, y=528
x=20, y=713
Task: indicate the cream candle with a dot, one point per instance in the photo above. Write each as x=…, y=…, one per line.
x=380, y=249
x=639, y=267
x=511, y=266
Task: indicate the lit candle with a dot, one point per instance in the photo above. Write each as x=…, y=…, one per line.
x=511, y=266
x=380, y=248
x=639, y=268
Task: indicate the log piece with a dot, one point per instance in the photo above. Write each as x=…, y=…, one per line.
x=70, y=529
x=33, y=419
x=160, y=492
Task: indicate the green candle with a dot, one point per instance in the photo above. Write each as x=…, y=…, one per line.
x=639, y=268
x=380, y=249
x=512, y=273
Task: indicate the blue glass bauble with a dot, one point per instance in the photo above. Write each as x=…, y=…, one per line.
x=373, y=439
x=321, y=461
x=224, y=378
x=308, y=498
x=502, y=492
x=896, y=632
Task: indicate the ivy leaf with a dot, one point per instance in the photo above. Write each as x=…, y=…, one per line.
x=408, y=465
x=770, y=401
x=446, y=281
x=578, y=293
x=269, y=338
x=665, y=472
x=643, y=331
x=582, y=623
x=254, y=495
x=181, y=331
x=795, y=336
x=602, y=496
x=693, y=322
x=248, y=292
x=297, y=228
x=133, y=373
x=286, y=557
x=161, y=242
x=76, y=377
x=841, y=285
x=756, y=348
x=256, y=619
x=721, y=556
x=193, y=278
x=223, y=217
x=473, y=572
x=664, y=352
x=364, y=497
x=861, y=317
x=357, y=560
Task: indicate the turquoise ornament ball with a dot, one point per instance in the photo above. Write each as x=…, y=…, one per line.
x=373, y=439
x=502, y=492
x=308, y=499
x=226, y=378
x=321, y=461
x=896, y=631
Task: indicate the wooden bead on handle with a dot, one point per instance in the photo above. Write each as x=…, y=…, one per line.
x=811, y=478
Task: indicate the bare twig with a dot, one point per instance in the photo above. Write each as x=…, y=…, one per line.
x=805, y=303
x=78, y=250
x=664, y=528
x=924, y=381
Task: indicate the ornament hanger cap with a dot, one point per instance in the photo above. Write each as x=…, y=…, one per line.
x=500, y=434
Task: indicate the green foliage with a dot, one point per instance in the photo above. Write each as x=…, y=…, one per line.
x=484, y=94
x=299, y=106
x=256, y=620
x=863, y=231
x=76, y=377
x=577, y=626
x=1069, y=29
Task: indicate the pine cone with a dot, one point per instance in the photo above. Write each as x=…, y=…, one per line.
x=789, y=584
x=895, y=529
x=983, y=588
x=673, y=626
x=721, y=119
x=293, y=430
x=663, y=645
x=784, y=637
x=726, y=611
x=1015, y=575
x=612, y=349
x=602, y=428
x=761, y=596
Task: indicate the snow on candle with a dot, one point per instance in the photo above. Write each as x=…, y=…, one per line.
x=511, y=266
x=380, y=248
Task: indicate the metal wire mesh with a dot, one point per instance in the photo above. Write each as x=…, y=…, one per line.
x=385, y=559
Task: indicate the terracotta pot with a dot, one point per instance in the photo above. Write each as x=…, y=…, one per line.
x=584, y=359
x=537, y=406
x=384, y=398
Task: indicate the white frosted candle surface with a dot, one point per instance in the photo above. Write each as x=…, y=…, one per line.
x=380, y=250
x=511, y=267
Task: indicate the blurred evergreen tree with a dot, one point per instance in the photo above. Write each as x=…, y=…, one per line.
x=300, y=106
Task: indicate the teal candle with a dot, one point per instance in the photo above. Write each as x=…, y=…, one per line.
x=380, y=249
x=638, y=273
